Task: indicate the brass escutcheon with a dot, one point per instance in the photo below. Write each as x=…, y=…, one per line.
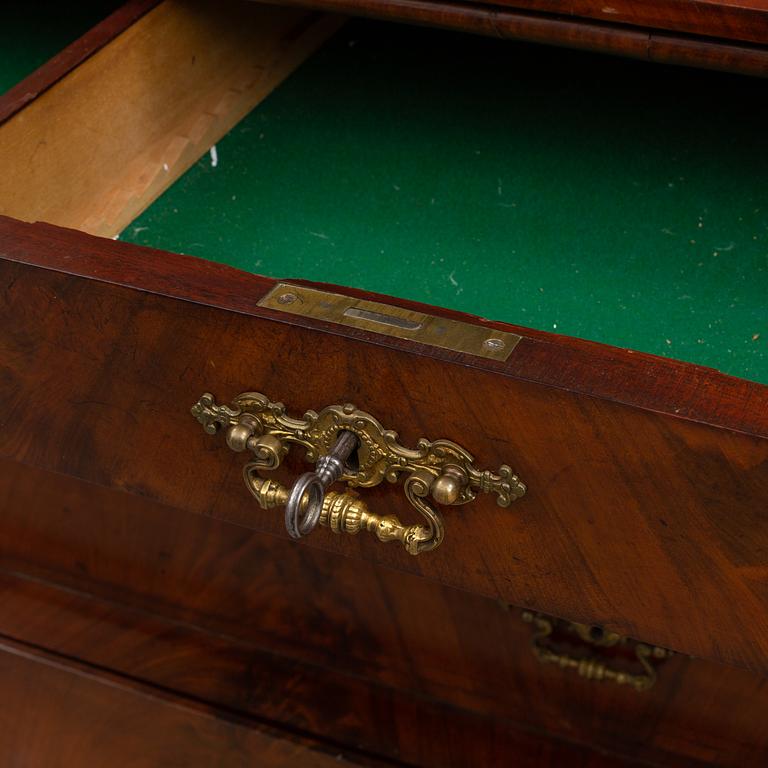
x=435, y=471
x=587, y=662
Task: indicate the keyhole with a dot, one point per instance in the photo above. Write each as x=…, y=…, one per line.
x=352, y=464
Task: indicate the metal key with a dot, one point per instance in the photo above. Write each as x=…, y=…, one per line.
x=305, y=501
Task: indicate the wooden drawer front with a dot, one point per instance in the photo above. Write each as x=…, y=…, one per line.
x=649, y=523
x=67, y=715
x=62, y=715
x=336, y=648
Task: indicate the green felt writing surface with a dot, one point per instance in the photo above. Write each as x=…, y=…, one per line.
x=34, y=31
x=601, y=198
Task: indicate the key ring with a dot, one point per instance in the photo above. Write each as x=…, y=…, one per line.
x=312, y=485
x=309, y=483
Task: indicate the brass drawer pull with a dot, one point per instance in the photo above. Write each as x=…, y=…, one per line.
x=588, y=665
x=351, y=446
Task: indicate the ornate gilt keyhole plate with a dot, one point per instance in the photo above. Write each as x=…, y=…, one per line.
x=438, y=471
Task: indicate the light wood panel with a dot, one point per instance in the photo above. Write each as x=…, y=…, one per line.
x=47, y=75
x=100, y=145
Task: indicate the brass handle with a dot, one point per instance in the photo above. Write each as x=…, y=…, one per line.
x=588, y=665
x=342, y=513
x=351, y=446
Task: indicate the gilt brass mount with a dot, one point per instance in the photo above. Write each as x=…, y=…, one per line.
x=587, y=663
x=351, y=446
x=455, y=335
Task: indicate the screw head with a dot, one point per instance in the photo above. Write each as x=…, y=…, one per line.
x=494, y=344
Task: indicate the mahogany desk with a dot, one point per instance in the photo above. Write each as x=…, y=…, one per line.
x=153, y=613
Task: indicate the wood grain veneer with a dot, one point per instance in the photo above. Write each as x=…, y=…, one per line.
x=645, y=520
x=559, y=24
x=745, y=20
x=65, y=715
x=664, y=385
x=371, y=657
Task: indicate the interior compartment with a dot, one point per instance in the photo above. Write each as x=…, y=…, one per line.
x=569, y=192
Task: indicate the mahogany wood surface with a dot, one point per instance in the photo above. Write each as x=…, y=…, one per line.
x=642, y=521
x=728, y=19
x=334, y=649
x=433, y=736
x=675, y=388
x=563, y=28
x=66, y=715
x=62, y=715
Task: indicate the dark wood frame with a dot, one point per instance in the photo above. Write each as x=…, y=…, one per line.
x=720, y=35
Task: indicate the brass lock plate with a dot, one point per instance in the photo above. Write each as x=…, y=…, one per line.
x=440, y=470
x=375, y=316
x=590, y=664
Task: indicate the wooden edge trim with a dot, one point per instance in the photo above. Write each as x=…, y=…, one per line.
x=669, y=387
x=527, y=26
x=73, y=55
x=736, y=20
